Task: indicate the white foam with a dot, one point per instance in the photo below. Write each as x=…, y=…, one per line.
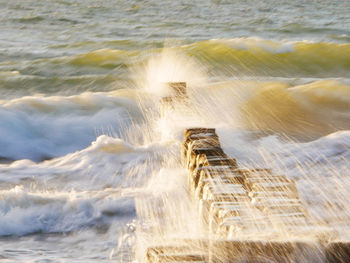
x=83, y=189
x=24, y=212
x=37, y=127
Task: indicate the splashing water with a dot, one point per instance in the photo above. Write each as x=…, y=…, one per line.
x=165, y=209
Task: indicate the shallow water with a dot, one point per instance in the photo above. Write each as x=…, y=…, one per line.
x=81, y=139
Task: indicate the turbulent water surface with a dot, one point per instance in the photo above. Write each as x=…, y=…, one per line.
x=81, y=140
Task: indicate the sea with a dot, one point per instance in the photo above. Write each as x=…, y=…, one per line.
x=86, y=151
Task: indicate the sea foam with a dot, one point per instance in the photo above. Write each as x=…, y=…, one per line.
x=39, y=128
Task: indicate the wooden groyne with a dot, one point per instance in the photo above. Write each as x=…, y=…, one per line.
x=249, y=215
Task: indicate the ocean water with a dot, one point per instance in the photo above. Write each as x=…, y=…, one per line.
x=84, y=152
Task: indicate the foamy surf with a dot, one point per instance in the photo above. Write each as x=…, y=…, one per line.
x=26, y=213
x=69, y=194
x=40, y=127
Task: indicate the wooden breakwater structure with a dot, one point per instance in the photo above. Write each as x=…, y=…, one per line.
x=250, y=215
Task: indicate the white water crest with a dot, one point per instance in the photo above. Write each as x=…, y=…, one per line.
x=41, y=127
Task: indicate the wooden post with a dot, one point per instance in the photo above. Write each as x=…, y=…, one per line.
x=179, y=88
x=179, y=95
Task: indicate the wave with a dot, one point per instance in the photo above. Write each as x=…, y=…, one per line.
x=39, y=127
x=241, y=56
x=262, y=57
x=303, y=109
x=24, y=212
x=38, y=197
x=106, y=58
x=307, y=110
x=107, y=163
